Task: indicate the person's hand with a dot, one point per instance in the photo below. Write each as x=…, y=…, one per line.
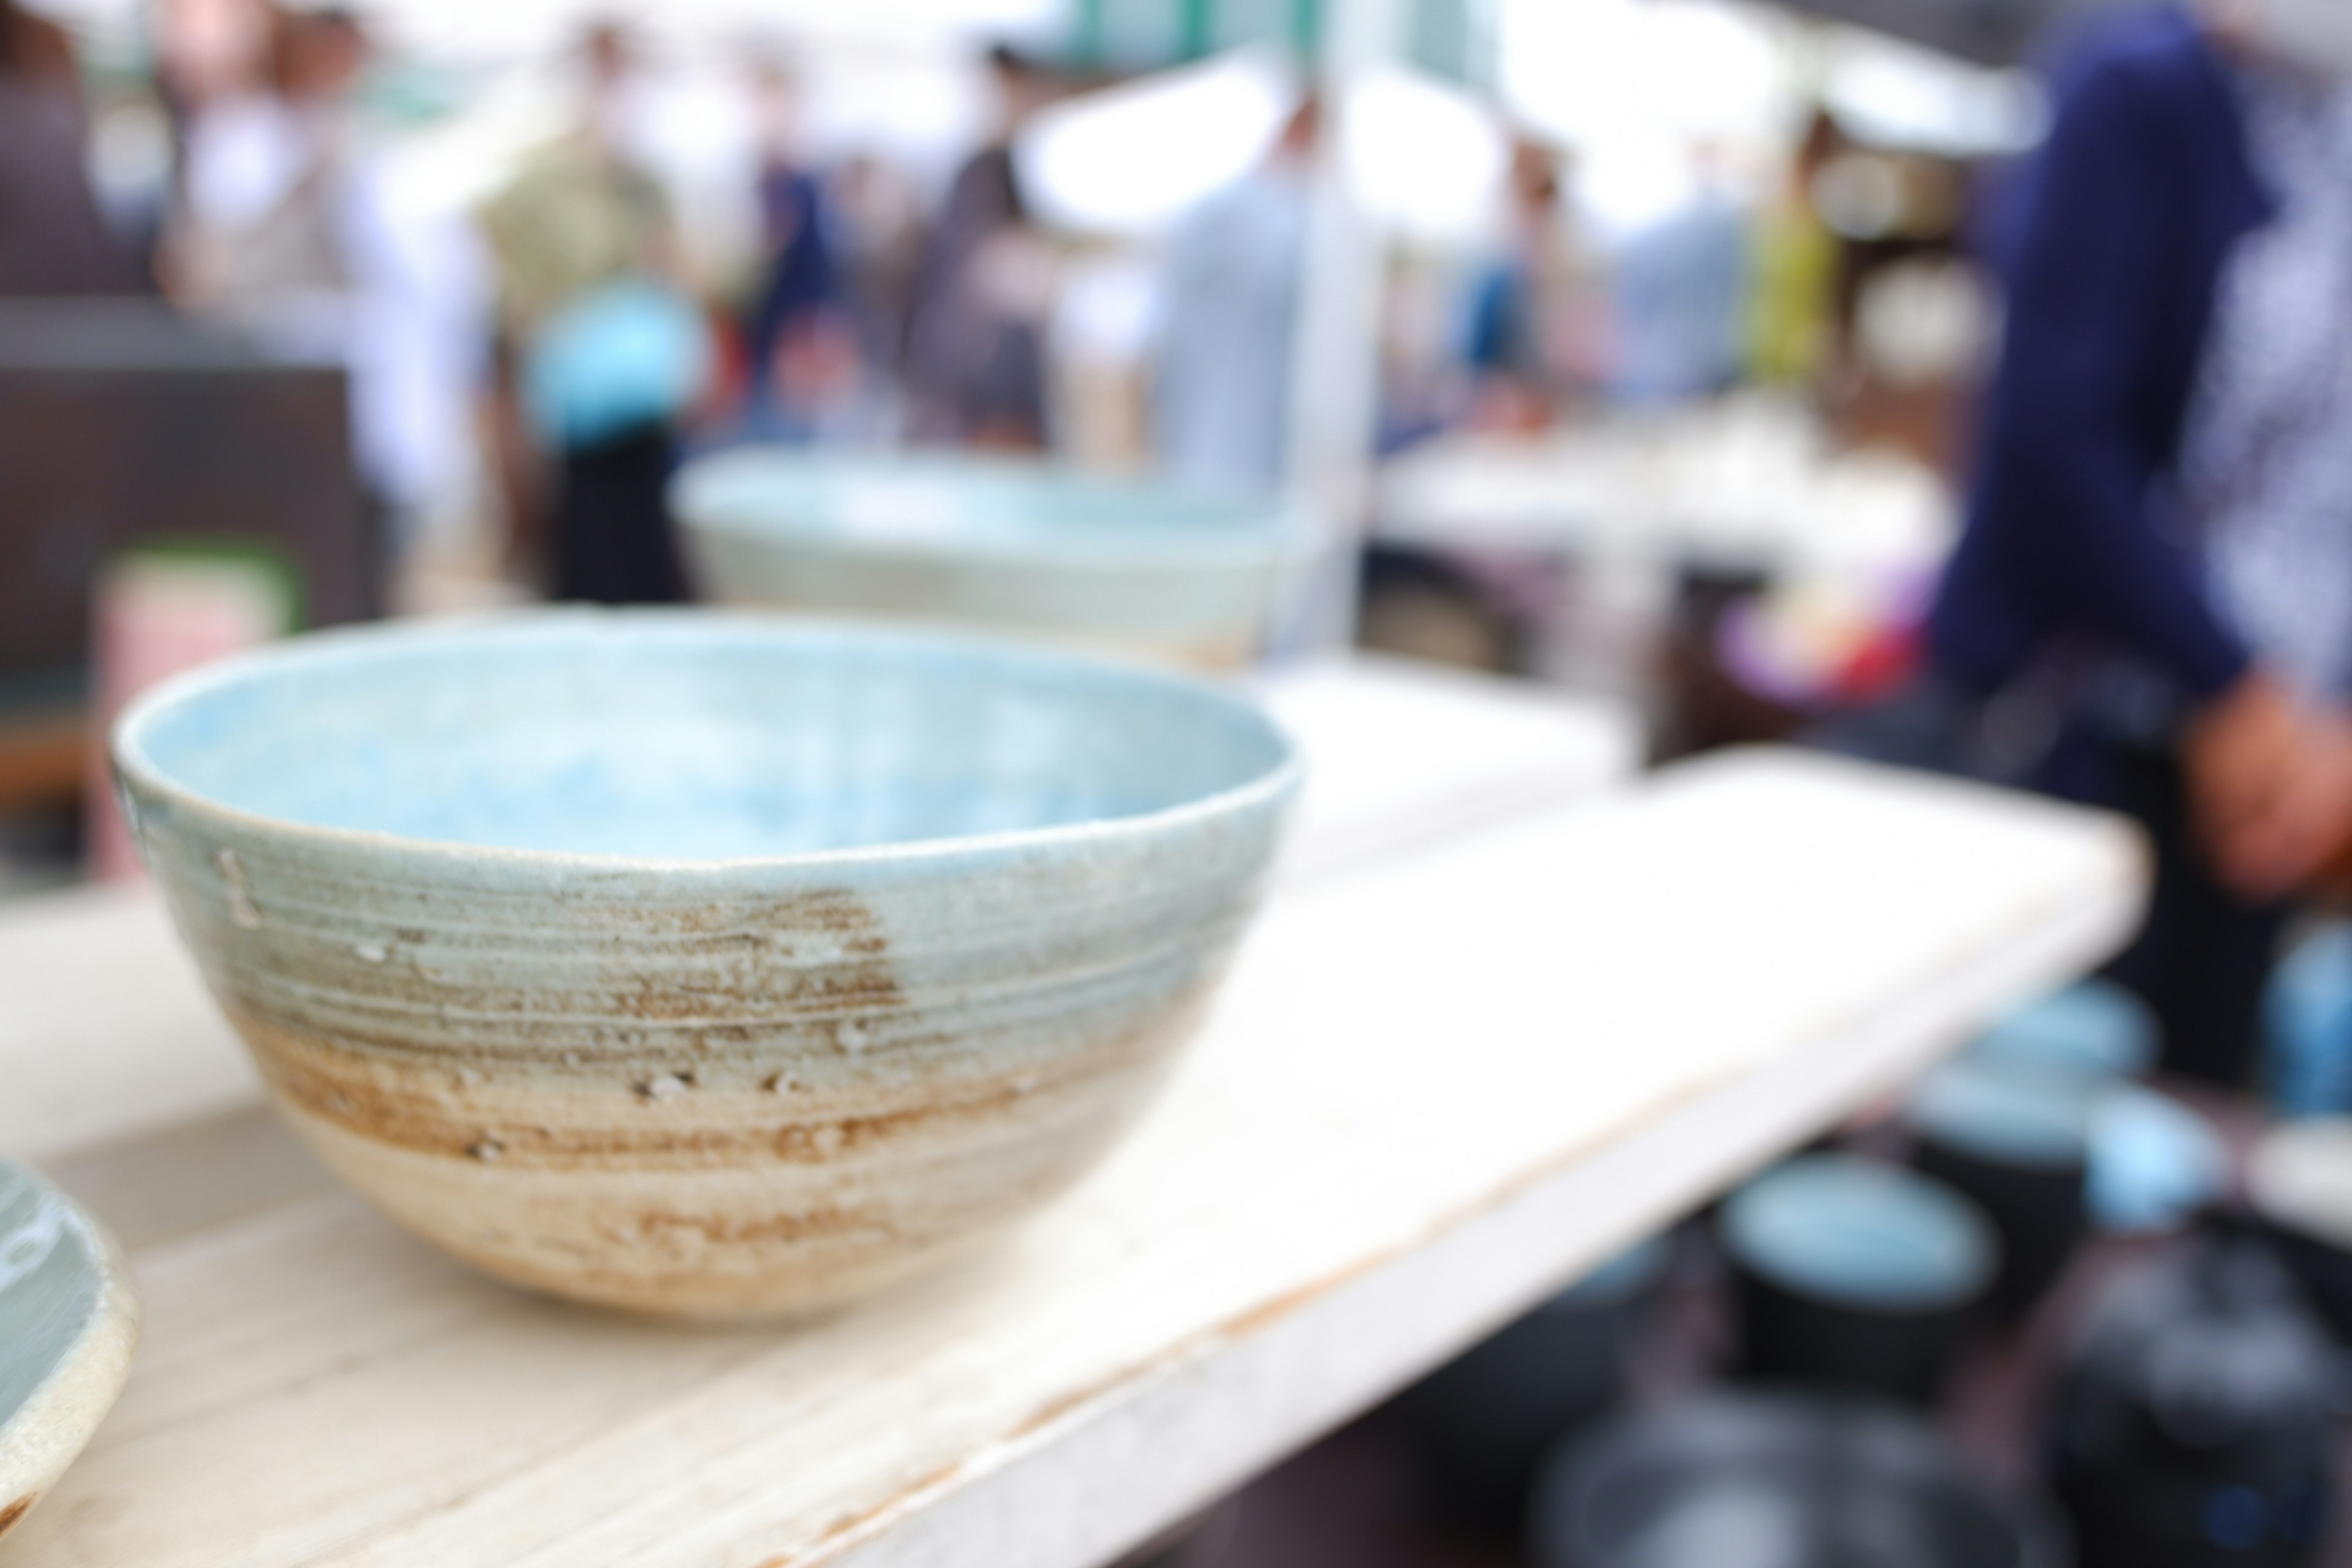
x=2312, y=819
x=2270, y=787
x=2334, y=878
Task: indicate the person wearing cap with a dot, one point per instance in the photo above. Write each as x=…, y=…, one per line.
x=2159, y=536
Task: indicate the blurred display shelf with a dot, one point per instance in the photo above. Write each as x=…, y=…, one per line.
x=1455, y=1064
x=125, y=427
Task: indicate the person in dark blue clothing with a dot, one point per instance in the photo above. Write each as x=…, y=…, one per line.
x=796, y=309
x=2159, y=533
x=1537, y=310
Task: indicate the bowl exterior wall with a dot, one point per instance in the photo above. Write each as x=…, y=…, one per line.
x=1208, y=614
x=713, y=1090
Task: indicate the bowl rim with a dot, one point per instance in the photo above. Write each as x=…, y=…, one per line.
x=42, y=1436
x=1286, y=534
x=130, y=764
x=1749, y=1206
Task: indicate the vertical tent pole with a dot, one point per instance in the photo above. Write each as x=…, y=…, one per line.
x=1334, y=391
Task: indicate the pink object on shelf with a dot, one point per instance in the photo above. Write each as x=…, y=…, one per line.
x=154, y=616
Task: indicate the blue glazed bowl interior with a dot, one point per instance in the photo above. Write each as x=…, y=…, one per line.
x=1861, y=1234
x=686, y=737
x=2024, y=1115
x=2094, y=1025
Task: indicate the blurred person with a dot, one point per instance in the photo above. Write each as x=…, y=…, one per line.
x=2159, y=548
x=54, y=240
x=798, y=345
x=208, y=53
x=1430, y=317
x=1792, y=304
x=974, y=365
x=264, y=224
x=878, y=232
x=1234, y=269
x=209, y=49
x=286, y=227
x=1532, y=344
x=600, y=356
x=1681, y=290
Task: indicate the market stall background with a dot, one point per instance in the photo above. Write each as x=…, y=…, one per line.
x=1612, y=361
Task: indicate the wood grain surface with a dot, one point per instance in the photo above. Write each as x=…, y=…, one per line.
x=1440, y=1081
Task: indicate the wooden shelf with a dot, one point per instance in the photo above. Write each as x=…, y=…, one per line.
x=44, y=758
x=1449, y=1072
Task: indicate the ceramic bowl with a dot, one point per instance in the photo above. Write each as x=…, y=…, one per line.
x=1016, y=546
x=1851, y=1275
x=701, y=964
x=68, y=1325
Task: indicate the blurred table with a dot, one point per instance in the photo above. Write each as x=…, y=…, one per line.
x=1454, y=1067
x=1747, y=484
x=1600, y=539
x=1400, y=753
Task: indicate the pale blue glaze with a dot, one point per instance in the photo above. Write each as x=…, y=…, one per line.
x=1028, y=547
x=2011, y=1113
x=696, y=738
x=1862, y=1234
x=52, y=1275
x=2093, y=1026
x=983, y=505
x=2153, y=1162
x=68, y=1323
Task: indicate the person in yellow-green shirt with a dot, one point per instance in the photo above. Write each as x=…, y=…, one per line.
x=1791, y=318
x=600, y=355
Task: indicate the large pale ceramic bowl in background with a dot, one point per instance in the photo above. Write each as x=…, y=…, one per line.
x=68, y=1325
x=1019, y=546
x=703, y=964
